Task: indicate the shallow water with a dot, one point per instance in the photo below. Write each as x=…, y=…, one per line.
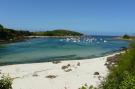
x=49, y=49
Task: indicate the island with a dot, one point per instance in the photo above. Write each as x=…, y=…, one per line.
x=11, y=35
x=57, y=32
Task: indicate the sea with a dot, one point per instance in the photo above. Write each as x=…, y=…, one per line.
x=46, y=49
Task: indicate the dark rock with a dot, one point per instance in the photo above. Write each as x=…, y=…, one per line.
x=35, y=75
x=64, y=67
x=56, y=62
x=123, y=49
x=51, y=76
x=68, y=70
x=78, y=64
x=96, y=73
x=111, y=61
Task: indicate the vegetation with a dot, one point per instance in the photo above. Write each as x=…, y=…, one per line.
x=87, y=87
x=59, y=32
x=126, y=36
x=122, y=76
x=5, y=82
x=1, y=27
x=11, y=34
x=7, y=34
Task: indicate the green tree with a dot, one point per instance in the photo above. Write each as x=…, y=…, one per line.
x=126, y=36
x=1, y=26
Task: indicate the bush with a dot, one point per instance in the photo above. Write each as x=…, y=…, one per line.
x=122, y=81
x=83, y=87
x=123, y=75
x=5, y=82
x=126, y=36
x=128, y=81
x=87, y=87
x=1, y=26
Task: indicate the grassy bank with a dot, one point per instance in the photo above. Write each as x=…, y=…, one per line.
x=121, y=71
x=122, y=74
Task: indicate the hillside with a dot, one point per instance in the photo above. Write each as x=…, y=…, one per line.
x=7, y=34
x=58, y=32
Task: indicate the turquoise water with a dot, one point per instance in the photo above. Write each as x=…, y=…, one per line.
x=50, y=49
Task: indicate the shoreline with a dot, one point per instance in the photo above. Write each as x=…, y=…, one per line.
x=53, y=37
x=69, y=74
x=92, y=57
x=121, y=38
x=30, y=37
x=13, y=41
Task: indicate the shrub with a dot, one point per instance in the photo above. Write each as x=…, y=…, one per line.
x=83, y=87
x=87, y=87
x=123, y=75
x=126, y=36
x=128, y=81
x=5, y=82
x=1, y=26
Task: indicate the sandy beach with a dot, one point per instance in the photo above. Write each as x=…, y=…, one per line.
x=70, y=74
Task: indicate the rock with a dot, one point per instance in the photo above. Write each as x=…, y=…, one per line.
x=68, y=70
x=111, y=61
x=35, y=74
x=64, y=67
x=56, y=62
x=78, y=64
x=68, y=65
x=96, y=73
x=123, y=49
x=51, y=76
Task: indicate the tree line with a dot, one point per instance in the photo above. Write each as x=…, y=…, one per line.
x=11, y=34
x=7, y=34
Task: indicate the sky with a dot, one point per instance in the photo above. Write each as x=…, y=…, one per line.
x=94, y=17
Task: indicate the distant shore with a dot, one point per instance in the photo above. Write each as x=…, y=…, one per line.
x=52, y=36
x=29, y=37
x=12, y=41
x=121, y=38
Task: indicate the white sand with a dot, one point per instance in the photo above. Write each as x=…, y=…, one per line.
x=80, y=75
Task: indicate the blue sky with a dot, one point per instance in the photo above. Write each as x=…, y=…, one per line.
x=98, y=17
